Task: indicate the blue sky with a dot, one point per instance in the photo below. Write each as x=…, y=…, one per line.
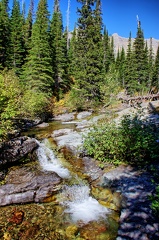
x=119, y=16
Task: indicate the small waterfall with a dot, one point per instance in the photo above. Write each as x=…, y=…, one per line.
x=49, y=161
x=76, y=199
x=82, y=207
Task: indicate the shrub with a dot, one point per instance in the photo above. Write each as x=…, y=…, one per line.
x=10, y=99
x=155, y=202
x=34, y=104
x=133, y=141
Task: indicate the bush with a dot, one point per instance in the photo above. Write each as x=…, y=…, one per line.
x=133, y=141
x=155, y=202
x=17, y=102
x=34, y=104
x=10, y=99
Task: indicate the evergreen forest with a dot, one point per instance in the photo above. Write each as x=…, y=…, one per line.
x=41, y=63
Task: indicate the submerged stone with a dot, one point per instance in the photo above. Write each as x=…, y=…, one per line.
x=71, y=231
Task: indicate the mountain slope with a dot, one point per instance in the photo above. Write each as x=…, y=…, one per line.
x=120, y=42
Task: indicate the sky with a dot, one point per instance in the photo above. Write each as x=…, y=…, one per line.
x=119, y=16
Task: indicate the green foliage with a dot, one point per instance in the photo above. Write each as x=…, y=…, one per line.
x=58, y=42
x=4, y=33
x=27, y=28
x=17, y=48
x=77, y=101
x=38, y=70
x=155, y=80
x=106, y=51
x=10, y=98
x=110, y=87
x=102, y=143
x=132, y=141
x=34, y=104
x=88, y=53
x=155, y=202
x=16, y=102
x=140, y=63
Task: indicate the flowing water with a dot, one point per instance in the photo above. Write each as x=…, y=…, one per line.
x=79, y=211
x=79, y=207
x=76, y=198
x=49, y=162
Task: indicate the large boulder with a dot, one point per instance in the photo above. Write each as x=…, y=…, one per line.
x=16, y=149
x=65, y=117
x=26, y=185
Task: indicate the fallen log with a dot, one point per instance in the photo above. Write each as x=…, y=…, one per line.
x=139, y=99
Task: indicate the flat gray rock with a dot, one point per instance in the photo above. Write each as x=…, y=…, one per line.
x=23, y=185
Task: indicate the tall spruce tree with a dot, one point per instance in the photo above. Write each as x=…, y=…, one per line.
x=155, y=79
x=17, y=49
x=71, y=54
x=129, y=68
x=121, y=58
x=4, y=33
x=111, y=50
x=150, y=64
x=117, y=60
x=38, y=74
x=28, y=27
x=140, y=61
x=106, y=51
x=146, y=84
x=58, y=42
x=88, y=66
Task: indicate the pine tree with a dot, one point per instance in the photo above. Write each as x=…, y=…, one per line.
x=71, y=54
x=111, y=50
x=151, y=64
x=121, y=68
x=17, y=49
x=38, y=74
x=129, y=68
x=155, y=80
x=4, y=33
x=117, y=61
x=141, y=60
x=106, y=51
x=58, y=42
x=89, y=64
x=146, y=84
x=28, y=27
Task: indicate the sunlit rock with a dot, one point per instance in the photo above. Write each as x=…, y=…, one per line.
x=24, y=185
x=83, y=114
x=16, y=149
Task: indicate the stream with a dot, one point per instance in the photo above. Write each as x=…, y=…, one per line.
x=79, y=210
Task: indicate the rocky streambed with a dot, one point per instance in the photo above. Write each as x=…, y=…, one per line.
x=124, y=190
x=132, y=187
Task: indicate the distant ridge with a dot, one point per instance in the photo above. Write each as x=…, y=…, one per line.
x=120, y=42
